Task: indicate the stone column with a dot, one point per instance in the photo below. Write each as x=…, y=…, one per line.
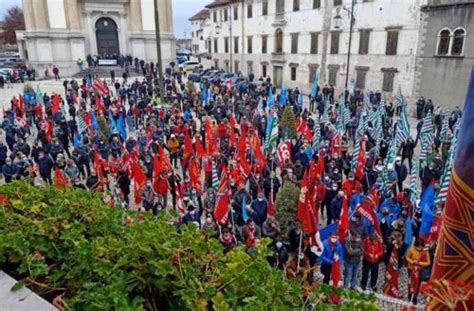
x=134, y=18
x=28, y=14
x=40, y=12
x=72, y=14
x=123, y=34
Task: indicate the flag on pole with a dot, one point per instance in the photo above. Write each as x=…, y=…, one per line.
x=316, y=135
x=59, y=179
x=413, y=178
x=221, y=210
x=82, y=126
x=453, y=259
x=403, y=127
x=271, y=134
x=399, y=100
x=315, y=87
x=245, y=215
x=215, y=177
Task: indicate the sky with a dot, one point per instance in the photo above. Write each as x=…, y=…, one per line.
x=182, y=11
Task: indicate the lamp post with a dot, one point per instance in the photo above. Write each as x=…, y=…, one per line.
x=158, y=50
x=337, y=25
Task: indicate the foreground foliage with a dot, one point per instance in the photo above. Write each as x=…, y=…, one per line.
x=67, y=242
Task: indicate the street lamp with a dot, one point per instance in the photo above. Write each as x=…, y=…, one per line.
x=338, y=25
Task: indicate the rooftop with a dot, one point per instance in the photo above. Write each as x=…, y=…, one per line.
x=203, y=14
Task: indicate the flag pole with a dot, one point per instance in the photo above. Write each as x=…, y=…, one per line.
x=299, y=251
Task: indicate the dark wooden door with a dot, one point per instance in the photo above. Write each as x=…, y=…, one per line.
x=107, y=36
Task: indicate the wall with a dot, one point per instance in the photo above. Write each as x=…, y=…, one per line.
x=445, y=79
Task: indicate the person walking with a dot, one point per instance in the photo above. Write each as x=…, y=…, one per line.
x=373, y=252
x=56, y=73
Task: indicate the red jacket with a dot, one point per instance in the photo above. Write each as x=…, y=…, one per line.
x=373, y=250
x=161, y=185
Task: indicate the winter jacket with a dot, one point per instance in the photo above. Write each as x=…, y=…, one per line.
x=353, y=250
x=260, y=209
x=373, y=250
x=329, y=250
x=336, y=206
x=45, y=166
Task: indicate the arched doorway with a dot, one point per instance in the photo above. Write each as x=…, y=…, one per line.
x=107, y=36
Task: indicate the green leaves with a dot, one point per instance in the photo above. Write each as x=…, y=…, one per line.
x=69, y=242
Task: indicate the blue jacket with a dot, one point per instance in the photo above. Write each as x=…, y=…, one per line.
x=260, y=209
x=303, y=157
x=9, y=170
x=330, y=250
x=336, y=206
x=45, y=166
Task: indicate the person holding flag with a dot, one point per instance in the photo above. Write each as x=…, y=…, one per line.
x=333, y=252
x=417, y=258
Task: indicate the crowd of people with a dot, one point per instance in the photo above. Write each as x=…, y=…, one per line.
x=214, y=155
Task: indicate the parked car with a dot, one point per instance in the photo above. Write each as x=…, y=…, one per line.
x=189, y=65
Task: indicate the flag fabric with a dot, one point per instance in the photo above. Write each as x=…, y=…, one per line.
x=408, y=231
x=453, y=259
x=361, y=161
x=315, y=86
x=391, y=276
x=215, y=177
x=316, y=135
x=367, y=209
x=444, y=128
x=59, y=179
x=139, y=181
x=343, y=223
x=82, y=126
x=427, y=214
x=121, y=127
x=112, y=124
x=403, y=127
x=399, y=100
x=270, y=98
x=221, y=209
x=179, y=200
x=77, y=139
x=242, y=155
x=303, y=209
x=101, y=87
x=94, y=123
x=271, y=206
x=195, y=175
x=284, y=151
x=56, y=103
x=426, y=136
x=413, y=179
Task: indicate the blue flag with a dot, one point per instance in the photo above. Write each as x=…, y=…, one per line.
x=270, y=100
x=77, y=139
x=325, y=232
x=121, y=127
x=112, y=124
x=283, y=96
x=314, y=88
x=301, y=100
x=427, y=215
x=94, y=123
x=408, y=231
x=245, y=215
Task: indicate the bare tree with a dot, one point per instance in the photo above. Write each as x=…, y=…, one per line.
x=13, y=21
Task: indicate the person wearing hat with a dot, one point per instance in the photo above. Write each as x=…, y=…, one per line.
x=402, y=173
x=251, y=233
x=332, y=250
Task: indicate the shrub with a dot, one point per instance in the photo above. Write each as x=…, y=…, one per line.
x=285, y=203
x=68, y=242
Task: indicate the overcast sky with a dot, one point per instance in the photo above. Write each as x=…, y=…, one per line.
x=182, y=10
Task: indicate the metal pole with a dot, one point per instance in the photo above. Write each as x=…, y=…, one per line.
x=158, y=50
x=350, y=43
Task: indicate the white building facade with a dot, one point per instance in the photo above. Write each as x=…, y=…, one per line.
x=290, y=40
x=59, y=32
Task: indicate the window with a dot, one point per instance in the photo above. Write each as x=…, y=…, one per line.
x=265, y=7
x=314, y=43
x=264, y=44
x=201, y=38
x=296, y=5
x=388, y=77
x=360, y=79
x=226, y=65
x=209, y=46
x=444, y=40
x=236, y=66
x=226, y=15
x=215, y=46
x=249, y=68
x=192, y=34
x=392, y=42
x=236, y=13
x=279, y=41
x=364, y=41
x=236, y=45
x=249, y=11
x=458, y=42
x=293, y=73
x=334, y=42
x=316, y=4
x=216, y=63
x=249, y=45
x=337, y=2
x=226, y=45
x=214, y=16
x=280, y=6
x=332, y=79
x=312, y=73
x=294, y=43
x=264, y=70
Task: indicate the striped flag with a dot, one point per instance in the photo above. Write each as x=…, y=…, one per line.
x=215, y=177
x=413, y=178
x=316, y=135
x=359, y=132
x=426, y=136
x=444, y=128
x=399, y=100
x=446, y=178
x=271, y=134
x=325, y=113
x=403, y=128
x=82, y=126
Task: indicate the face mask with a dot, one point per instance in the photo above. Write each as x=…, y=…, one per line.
x=278, y=245
x=333, y=240
x=334, y=188
x=260, y=199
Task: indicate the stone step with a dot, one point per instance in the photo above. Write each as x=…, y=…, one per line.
x=101, y=71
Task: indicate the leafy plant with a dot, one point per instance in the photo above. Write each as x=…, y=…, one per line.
x=286, y=201
x=288, y=123
x=68, y=246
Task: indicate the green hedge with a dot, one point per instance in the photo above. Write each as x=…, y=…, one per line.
x=68, y=242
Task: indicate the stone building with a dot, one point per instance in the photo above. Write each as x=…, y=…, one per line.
x=290, y=40
x=60, y=32
x=446, y=51
x=200, y=27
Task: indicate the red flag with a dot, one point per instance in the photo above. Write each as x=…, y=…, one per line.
x=367, y=209
x=222, y=201
x=199, y=148
x=59, y=179
x=140, y=180
x=343, y=224
x=98, y=164
x=211, y=138
x=232, y=123
x=100, y=87
x=165, y=161
x=361, y=161
x=336, y=147
x=335, y=280
x=391, y=276
x=99, y=104
x=48, y=129
x=305, y=130
x=270, y=207
x=21, y=107
x=258, y=149
x=157, y=167
x=435, y=227
x=241, y=152
x=284, y=152
x=304, y=210
x=179, y=200
x=56, y=103
x=188, y=146
x=195, y=175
